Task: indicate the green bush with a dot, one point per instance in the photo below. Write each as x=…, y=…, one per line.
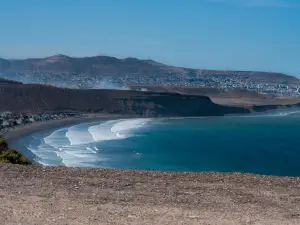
x=3, y=145
x=14, y=156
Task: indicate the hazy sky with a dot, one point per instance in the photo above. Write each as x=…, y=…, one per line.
x=213, y=34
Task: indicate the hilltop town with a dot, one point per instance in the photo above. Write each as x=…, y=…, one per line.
x=112, y=73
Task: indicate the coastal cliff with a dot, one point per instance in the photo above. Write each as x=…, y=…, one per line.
x=41, y=98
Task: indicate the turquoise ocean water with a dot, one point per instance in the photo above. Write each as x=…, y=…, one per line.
x=263, y=143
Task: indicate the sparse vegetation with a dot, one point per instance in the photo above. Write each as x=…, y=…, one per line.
x=8, y=155
x=3, y=145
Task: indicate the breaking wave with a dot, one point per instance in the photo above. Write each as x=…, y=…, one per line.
x=76, y=145
x=112, y=130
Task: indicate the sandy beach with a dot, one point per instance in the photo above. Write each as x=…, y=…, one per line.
x=15, y=133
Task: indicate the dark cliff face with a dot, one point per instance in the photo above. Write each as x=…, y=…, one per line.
x=176, y=105
x=39, y=98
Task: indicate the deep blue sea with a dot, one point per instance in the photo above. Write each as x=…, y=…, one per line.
x=263, y=144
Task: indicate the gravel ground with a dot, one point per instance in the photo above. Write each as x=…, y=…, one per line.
x=60, y=195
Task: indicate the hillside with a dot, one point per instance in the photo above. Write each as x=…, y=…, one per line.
x=7, y=82
x=104, y=65
x=41, y=98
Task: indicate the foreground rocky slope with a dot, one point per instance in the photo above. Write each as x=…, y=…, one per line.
x=60, y=195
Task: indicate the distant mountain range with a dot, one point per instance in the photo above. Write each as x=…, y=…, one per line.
x=104, y=65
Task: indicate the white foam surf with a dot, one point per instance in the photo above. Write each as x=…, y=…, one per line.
x=102, y=131
x=116, y=129
x=78, y=136
x=121, y=128
x=56, y=139
x=75, y=146
x=78, y=157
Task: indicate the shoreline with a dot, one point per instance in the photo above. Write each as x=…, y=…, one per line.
x=17, y=132
x=13, y=134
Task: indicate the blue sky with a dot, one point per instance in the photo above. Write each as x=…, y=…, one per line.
x=213, y=34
